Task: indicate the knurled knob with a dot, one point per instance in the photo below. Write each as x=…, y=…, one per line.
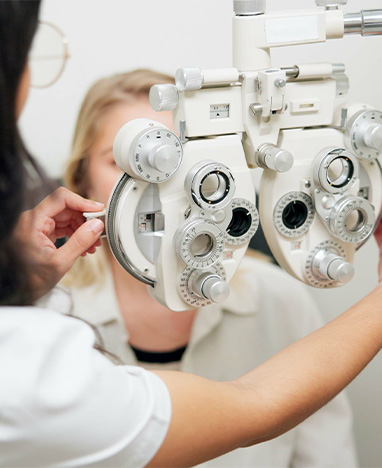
x=211, y=286
x=164, y=97
x=373, y=137
x=274, y=158
x=189, y=79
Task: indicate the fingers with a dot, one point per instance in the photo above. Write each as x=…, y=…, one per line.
x=83, y=240
x=62, y=198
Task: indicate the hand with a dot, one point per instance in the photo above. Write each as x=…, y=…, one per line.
x=58, y=215
x=378, y=238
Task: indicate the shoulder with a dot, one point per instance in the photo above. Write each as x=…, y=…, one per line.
x=57, y=388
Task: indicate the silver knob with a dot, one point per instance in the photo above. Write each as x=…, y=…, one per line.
x=210, y=286
x=271, y=157
x=280, y=83
x=367, y=23
x=163, y=157
x=249, y=7
x=331, y=3
x=164, y=97
x=340, y=270
x=189, y=79
x=373, y=137
x=331, y=266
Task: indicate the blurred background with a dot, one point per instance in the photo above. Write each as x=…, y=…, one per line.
x=109, y=36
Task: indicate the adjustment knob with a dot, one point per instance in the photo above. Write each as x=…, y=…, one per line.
x=363, y=134
x=271, y=157
x=210, y=286
x=164, y=97
x=331, y=266
x=189, y=79
x=147, y=150
x=340, y=270
x=249, y=7
x=373, y=137
x=331, y=3
x=163, y=157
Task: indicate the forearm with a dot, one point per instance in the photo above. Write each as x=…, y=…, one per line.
x=211, y=418
x=309, y=373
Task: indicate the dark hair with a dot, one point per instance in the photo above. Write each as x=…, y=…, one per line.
x=18, y=23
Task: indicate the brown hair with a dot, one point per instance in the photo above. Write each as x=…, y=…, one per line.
x=123, y=88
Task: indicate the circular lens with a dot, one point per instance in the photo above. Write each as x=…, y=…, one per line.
x=240, y=223
x=214, y=187
x=295, y=214
x=340, y=172
x=202, y=245
x=48, y=55
x=355, y=221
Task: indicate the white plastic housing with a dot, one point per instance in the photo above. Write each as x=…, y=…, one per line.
x=292, y=253
x=227, y=150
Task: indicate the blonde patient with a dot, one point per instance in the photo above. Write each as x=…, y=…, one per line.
x=266, y=311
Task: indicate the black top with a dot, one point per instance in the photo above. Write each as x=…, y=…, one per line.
x=159, y=357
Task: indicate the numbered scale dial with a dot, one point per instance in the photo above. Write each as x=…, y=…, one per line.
x=352, y=219
x=364, y=134
x=326, y=265
x=194, y=289
x=293, y=214
x=199, y=243
x=244, y=222
x=148, y=150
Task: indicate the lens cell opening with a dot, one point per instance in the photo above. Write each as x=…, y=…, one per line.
x=355, y=221
x=202, y=245
x=340, y=172
x=241, y=222
x=214, y=187
x=295, y=214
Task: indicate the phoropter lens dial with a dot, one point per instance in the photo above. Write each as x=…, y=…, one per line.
x=244, y=222
x=147, y=150
x=352, y=219
x=199, y=243
x=364, y=134
x=335, y=170
x=210, y=185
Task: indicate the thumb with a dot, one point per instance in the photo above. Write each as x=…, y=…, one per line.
x=80, y=241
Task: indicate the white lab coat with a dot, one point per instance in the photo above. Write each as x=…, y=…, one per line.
x=62, y=403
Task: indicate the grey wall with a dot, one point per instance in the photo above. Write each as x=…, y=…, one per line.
x=108, y=36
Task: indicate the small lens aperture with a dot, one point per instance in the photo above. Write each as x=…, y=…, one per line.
x=340, y=172
x=355, y=221
x=295, y=214
x=214, y=187
x=202, y=245
x=240, y=223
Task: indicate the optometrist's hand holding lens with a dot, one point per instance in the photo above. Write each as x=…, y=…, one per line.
x=181, y=217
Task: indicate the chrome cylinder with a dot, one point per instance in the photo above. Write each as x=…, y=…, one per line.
x=366, y=23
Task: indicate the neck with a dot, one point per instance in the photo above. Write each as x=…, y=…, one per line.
x=151, y=326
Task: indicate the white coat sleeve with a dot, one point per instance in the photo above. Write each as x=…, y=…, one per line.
x=65, y=404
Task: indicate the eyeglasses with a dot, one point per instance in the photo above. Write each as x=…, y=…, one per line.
x=48, y=55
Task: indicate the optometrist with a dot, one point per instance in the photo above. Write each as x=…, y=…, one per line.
x=62, y=402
